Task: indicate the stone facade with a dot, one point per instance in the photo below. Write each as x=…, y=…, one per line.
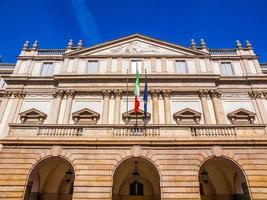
x=65, y=132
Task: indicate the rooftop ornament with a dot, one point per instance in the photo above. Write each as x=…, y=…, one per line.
x=70, y=44
x=203, y=44
x=26, y=45
x=193, y=44
x=238, y=44
x=35, y=45
x=80, y=44
x=248, y=44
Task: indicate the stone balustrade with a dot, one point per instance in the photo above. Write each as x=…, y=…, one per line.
x=153, y=131
x=223, y=131
x=136, y=131
x=51, y=131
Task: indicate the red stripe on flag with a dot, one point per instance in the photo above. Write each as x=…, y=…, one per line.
x=136, y=104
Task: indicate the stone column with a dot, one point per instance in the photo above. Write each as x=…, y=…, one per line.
x=4, y=102
x=163, y=65
x=203, y=94
x=106, y=97
x=256, y=97
x=70, y=95
x=55, y=108
x=167, y=108
x=153, y=65
x=117, y=108
x=155, y=105
x=217, y=106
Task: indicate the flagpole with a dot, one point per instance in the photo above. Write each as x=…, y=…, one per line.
x=145, y=109
x=127, y=93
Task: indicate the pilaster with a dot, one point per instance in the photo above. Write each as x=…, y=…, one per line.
x=203, y=95
x=70, y=96
x=155, y=105
x=117, y=109
x=106, y=97
x=166, y=93
x=218, y=107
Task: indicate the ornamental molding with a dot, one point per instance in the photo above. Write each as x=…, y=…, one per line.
x=256, y=94
x=155, y=93
x=241, y=116
x=32, y=116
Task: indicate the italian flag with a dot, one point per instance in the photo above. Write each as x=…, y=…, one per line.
x=136, y=91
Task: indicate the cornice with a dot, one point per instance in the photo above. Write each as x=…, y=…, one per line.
x=156, y=142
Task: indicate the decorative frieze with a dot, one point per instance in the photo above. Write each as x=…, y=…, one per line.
x=215, y=93
x=70, y=93
x=106, y=93
x=117, y=93
x=58, y=93
x=203, y=93
x=255, y=94
x=7, y=94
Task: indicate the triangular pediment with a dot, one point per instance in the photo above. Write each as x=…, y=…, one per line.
x=85, y=116
x=241, y=112
x=131, y=117
x=85, y=113
x=187, y=112
x=241, y=116
x=32, y=113
x=136, y=45
x=32, y=116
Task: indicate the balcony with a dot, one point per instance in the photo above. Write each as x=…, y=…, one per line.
x=131, y=131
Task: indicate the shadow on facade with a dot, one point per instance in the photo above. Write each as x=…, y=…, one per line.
x=136, y=179
x=51, y=179
x=222, y=179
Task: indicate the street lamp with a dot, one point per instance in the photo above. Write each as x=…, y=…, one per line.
x=204, y=176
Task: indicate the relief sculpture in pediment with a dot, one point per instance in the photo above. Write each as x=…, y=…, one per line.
x=136, y=47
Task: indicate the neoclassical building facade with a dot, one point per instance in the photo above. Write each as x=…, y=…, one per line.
x=68, y=129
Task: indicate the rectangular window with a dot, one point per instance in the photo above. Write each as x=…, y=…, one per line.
x=136, y=65
x=2, y=83
x=181, y=67
x=227, y=69
x=92, y=66
x=47, y=69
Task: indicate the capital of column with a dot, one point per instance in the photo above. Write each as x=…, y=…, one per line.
x=255, y=94
x=215, y=93
x=106, y=93
x=7, y=94
x=166, y=93
x=58, y=93
x=19, y=94
x=155, y=93
x=70, y=93
x=203, y=93
x=118, y=93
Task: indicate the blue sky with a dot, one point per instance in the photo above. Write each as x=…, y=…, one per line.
x=54, y=22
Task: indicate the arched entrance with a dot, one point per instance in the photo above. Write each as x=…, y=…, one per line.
x=222, y=179
x=51, y=179
x=136, y=179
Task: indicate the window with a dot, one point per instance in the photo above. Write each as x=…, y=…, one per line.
x=136, y=64
x=2, y=83
x=92, y=67
x=180, y=66
x=47, y=69
x=227, y=69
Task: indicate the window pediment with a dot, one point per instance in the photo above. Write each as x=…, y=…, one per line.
x=241, y=116
x=32, y=116
x=187, y=116
x=131, y=117
x=85, y=116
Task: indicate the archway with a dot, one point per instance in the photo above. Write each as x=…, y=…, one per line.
x=222, y=179
x=136, y=179
x=51, y=179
